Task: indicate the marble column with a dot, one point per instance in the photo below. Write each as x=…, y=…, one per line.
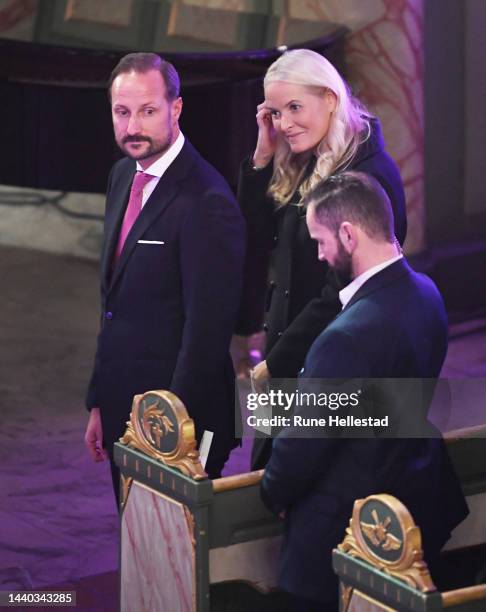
x=385, y=59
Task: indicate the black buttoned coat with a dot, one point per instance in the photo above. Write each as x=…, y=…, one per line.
x=300, y=298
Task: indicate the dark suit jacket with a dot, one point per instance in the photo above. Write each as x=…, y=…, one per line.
x=394, y=327
x=168, y=311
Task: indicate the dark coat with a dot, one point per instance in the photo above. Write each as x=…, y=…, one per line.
x=302, y=298
x=394, y=327
x=168, y=311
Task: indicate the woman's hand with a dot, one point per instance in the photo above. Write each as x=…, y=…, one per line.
x=260, y=377
x=241, y=354
x=267, y=137
x=246, y=351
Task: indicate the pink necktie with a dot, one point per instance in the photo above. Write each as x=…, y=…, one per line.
x=133, y=209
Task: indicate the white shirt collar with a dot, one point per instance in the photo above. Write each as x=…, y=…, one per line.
x=347, y=293
x=160, y=165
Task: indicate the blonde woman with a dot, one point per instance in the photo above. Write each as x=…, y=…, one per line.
x=309, y=127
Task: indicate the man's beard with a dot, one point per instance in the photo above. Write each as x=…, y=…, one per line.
x=156, y=147
x=342, y=265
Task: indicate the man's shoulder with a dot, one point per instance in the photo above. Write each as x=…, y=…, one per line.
x=202, y=171
x=121, y=168
x=414, y=286
x=203, y=183
x=125, y=164
x=424, y=282
x=395, y=297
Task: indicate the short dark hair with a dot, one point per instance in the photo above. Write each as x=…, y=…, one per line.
x=355, y=197
x=144, y=62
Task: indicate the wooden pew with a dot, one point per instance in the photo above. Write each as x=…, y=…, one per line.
x=184, y=538
x=192, y=544
x=380, y=565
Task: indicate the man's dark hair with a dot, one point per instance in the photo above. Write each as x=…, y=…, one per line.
x=144, y=62
x=354, y=197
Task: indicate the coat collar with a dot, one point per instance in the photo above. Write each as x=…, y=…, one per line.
x=164, y=193
x=373, y=145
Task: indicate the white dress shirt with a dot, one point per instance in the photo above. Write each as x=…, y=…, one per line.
x=347, y=293
x=158, y=168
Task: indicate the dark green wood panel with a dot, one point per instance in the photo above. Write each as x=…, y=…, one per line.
x=239, y=515
x=51, y=28
x=174, y=484
x=385, y=589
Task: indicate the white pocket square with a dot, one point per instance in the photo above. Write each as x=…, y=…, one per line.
x=151, y=242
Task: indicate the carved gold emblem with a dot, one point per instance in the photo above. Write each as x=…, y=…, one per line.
x=378, y=533
x=156, y=424
x=400, y=557
x=160, y=427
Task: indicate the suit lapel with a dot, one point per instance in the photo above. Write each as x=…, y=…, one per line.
x=113, y=221
x=167, y=189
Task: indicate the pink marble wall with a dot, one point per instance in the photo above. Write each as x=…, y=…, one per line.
x=358, y=604
x=385, y=60
x=157, y=554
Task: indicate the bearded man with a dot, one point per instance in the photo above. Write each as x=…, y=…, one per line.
x=171, y=269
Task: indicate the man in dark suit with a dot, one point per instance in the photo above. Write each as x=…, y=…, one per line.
x=392, y=325
x=171, y=269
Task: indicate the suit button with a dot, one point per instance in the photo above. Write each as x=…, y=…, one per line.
x=287, y=293
x=109, y=316
x=279, y=334
x=275, y=239
x=273, y=284
x=265, y=327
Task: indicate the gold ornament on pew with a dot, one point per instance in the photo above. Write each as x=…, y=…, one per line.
x=382, y=533
x=378, y=533
x=156, y=424
x=160, y=427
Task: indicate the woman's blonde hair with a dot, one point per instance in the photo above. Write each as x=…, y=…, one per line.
x=348, y=128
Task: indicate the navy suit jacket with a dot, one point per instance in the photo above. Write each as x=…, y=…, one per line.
x=395, y=326
x=168, y=310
